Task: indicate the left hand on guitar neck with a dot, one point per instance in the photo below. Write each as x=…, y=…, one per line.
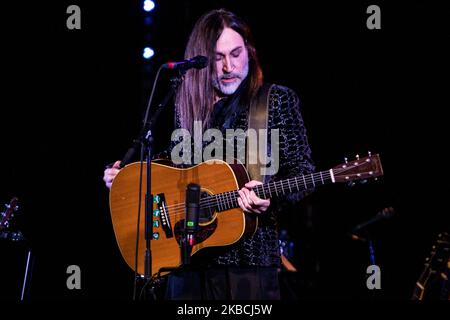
x=249, y=201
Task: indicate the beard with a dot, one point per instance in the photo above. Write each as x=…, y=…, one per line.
x=230, y=88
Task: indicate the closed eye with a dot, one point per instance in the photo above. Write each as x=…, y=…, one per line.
x=236, y=52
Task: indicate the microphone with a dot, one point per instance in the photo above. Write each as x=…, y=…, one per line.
x=386, y=213
x=192, y=211
x=190, y=221
x=198, y=62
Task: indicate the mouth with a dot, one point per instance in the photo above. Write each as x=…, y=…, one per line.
x=229, y=80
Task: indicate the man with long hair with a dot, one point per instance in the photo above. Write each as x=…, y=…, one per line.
x=220, y=96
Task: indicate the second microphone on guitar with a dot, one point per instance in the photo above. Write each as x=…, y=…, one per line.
x=192, y=211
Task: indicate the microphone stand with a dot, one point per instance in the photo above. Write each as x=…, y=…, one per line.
x=371, y=250
x=146, y=140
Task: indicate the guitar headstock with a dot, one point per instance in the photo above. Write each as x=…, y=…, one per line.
x=359, y=169
x=430, y=284
x=7, y=215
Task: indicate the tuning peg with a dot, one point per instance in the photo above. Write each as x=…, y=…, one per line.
x=346, y=160
x=363, y=181
x=351, y=183
x=357, y=157
x=369, y=153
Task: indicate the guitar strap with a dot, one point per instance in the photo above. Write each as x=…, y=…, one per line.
x=258, y=120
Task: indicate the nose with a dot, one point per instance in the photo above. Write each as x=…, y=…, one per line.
x=227, y=64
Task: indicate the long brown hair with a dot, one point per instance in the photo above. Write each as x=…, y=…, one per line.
x=195, y=96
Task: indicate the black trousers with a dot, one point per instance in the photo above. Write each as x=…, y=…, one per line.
x=224, y=283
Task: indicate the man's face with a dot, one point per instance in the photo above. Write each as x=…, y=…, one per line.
x=231, y=62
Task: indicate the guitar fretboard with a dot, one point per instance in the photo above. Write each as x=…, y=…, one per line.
x=228, y=200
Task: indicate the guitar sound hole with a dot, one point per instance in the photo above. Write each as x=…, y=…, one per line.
x=203, y=233
x=207, y=212
x=206, y=216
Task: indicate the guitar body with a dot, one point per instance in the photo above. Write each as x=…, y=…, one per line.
x=169, y=189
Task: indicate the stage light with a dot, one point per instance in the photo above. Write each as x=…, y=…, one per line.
x=148, y=53
x=149, y=5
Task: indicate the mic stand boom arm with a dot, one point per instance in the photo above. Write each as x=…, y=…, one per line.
x=148, y=125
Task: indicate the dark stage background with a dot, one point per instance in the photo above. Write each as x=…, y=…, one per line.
x=72, y=101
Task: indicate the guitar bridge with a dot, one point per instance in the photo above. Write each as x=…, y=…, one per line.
x=162, y=212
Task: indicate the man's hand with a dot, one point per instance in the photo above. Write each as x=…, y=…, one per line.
x=249, y=201
x=111, y=173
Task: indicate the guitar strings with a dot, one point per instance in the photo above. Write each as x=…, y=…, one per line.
x=230, y=197
x=276, y=184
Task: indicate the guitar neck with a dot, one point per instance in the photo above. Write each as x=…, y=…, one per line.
x=228, y=200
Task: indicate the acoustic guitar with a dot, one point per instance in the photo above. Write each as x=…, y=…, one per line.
x=8, y=214
x=221, y=220
x=5, y=218
x=434, y=283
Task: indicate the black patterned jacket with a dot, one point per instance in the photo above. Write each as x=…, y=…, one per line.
x=262, y=249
